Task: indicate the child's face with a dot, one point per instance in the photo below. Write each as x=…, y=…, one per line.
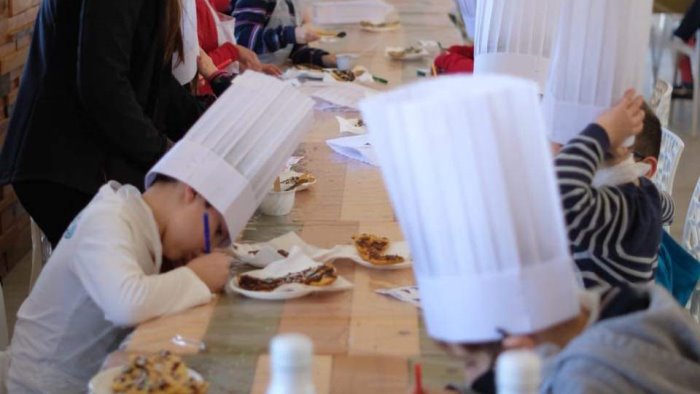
x=183, y=238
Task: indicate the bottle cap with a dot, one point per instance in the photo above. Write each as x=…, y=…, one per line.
x=518, y=369
x=291, y=350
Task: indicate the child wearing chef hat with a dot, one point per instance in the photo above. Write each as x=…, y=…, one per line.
x=109, y=272
x=613, y=210
x=614, y=213
x=490, y=249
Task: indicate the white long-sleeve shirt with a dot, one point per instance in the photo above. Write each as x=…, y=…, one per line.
x=102, y=279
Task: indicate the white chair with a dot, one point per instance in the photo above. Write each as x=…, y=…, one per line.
x=671, y=148
x=660, y=101
x=663, y=25
x=691, y=242
x=41, y=250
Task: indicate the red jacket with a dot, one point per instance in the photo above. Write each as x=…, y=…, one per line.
x=457, y=59
x=208, y=36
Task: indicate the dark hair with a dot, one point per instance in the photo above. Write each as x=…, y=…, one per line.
x=172, y=33
x=648, y=142
x=160, y=178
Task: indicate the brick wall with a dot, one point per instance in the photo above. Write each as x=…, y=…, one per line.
x=16, y=22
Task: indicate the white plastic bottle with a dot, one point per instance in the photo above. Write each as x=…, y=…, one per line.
x=291, y=356
x=518, y=372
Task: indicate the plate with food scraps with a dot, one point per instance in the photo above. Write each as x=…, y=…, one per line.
x=297, y=181
x=293, y=277
x=373, y=251
x=379, y=27
x=122, y=379
x=406, y=53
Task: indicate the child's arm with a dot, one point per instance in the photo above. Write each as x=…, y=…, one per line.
x=586, y=209
x=668, y=208
x=252, y=17
x=107, y=267
x=304, y=54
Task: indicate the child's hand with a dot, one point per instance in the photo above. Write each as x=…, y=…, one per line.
x=625, y=119
x=205, y=65
x=271, y=69
x=248, y=59
x=305, y=34
x=329, y=60
x=213, y=269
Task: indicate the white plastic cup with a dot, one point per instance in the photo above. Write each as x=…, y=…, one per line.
x=278, y=203
x=344, y=62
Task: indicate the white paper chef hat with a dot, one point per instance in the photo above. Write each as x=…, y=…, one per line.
x=235, y=150
x=468, y=10
x=515, y=37
x=470, y=175
x=598, y=54
x=185, y=69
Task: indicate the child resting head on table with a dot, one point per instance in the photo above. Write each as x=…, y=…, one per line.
x=490, y=249
x=613, y=211
x=130, y=257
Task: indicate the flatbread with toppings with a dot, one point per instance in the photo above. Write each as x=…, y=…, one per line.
x=160, y=373
x=372, y=249
x=321, y=275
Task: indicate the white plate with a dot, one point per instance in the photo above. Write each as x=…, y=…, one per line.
x=296, y=262
x=350, y=252
x=102, y=382
x=284, y=292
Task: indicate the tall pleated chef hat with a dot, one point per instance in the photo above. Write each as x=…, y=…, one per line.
x=467, y=8
x=241, y=143
x=599, y=53
x=470, y=175
x=185, y=69
x=515, y=37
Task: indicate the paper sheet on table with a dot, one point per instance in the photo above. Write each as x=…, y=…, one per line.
x=407, y=294
x=352, y=11
x=343, y=94
x=350, y=125
x=293, y=73
x=356, y=147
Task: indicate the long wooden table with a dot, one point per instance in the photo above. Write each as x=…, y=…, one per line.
x=363, y=342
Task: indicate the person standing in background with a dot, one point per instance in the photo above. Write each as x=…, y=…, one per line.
x=97, y=102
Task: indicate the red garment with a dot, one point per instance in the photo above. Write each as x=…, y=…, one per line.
x=223, y=6
x=208, y=36
x=457, y=59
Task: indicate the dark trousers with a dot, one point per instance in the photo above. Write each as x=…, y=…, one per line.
x=52, y=206
x=690, y=23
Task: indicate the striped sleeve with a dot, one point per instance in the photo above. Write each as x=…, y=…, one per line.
x=610, y=228
x=252, y=17
x=667, y=208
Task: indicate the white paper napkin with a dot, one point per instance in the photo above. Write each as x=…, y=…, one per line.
x=356, y=147
x=349, y=125
x=407, y=294
x=343, y=94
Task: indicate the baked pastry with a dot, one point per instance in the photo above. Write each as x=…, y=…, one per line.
x=378, y=25
x=321, y=275
x=372, y=249
x=159, y=373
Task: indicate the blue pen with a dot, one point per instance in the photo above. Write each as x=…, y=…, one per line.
x=207, y=237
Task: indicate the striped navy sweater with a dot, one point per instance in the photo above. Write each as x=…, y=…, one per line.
x=252, y=17
x=614, y=231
